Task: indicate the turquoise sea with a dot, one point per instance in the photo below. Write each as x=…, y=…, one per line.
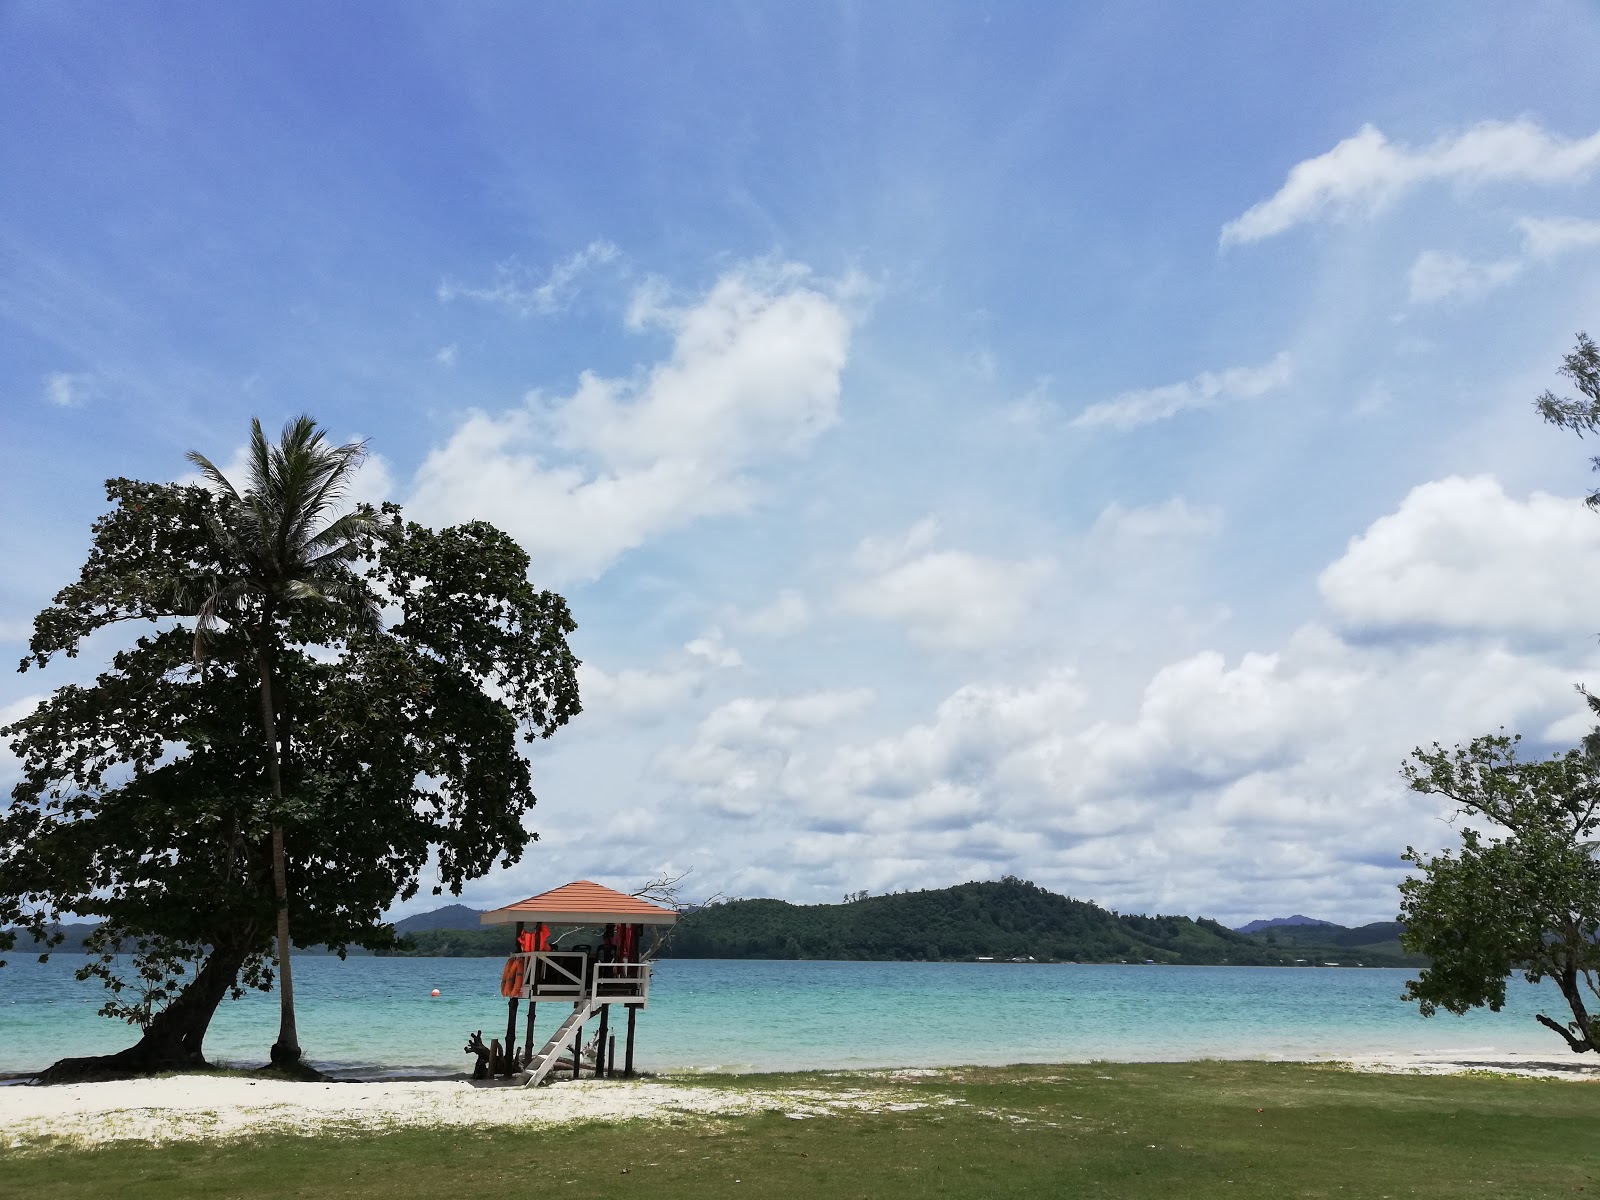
x=375, y=1015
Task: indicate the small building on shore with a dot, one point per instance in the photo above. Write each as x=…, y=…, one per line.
x=582, y=944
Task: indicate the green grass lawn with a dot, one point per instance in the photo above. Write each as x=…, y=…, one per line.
x=1181, y=1130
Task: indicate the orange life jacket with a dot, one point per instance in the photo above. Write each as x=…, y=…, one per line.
x=512, y=977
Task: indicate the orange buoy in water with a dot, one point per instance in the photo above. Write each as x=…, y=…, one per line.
x=435, y=991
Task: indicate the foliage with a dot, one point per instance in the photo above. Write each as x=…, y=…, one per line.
x=1582, y=366
x=1524, y=893
x=281, y=557
x=1008, y=919
x=144, y=799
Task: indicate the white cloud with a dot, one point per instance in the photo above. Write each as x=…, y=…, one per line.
x=787, y=613
x=1552, y=237
x=1174, y=519
x=950, y=599
x=1437, y=276
x=634, y=693
x=1133, y=409
x=527, y=294
x=714, y=650
x=754, y=373
x=1364, y=172
x=646, y=694
x=1232, y=787
x=1459, y=554
x=65, y=390
x=445, y=356
x=1232, y=784
x=742, y=748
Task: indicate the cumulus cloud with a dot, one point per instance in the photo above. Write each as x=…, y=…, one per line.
x=950, y=599
x=647, y=694
x=711, y=648
x=788, y=613
x=1233, y=787
x=527, y=293
x=743, y=747
x=1459, y=554
x=1436, y=276
x=1133, y=409
x=1230, y=784
x=1366, y=171
x=754, y=372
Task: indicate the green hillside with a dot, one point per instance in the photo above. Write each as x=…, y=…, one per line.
x=1004, y=920
x=1009, y=919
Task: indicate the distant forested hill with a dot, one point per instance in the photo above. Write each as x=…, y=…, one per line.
x=1004, y=920
x=1009, y=919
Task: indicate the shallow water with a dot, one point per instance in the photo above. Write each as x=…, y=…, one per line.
x=376, y=1015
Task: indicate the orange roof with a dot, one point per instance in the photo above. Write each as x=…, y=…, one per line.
x=581, y=903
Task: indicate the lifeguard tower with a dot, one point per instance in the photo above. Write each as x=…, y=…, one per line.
x=591, y=976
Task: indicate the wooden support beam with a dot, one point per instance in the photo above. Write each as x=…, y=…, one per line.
x=627, y=1059
x=510, y=1060
x=600, y=1046
x=577, y=1052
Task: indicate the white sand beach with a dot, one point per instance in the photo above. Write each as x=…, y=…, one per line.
x=1585, y=1068
x=187, y=1107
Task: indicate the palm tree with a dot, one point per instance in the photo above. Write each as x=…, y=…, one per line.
x=287, y=555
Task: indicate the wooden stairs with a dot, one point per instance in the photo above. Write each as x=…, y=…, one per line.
x=542, y=1063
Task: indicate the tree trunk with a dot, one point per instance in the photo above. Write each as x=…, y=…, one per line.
x=174, y=1039
x=286, y=1050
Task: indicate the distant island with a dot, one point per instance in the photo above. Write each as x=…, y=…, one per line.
x=1011, y=920
x=1002, y=921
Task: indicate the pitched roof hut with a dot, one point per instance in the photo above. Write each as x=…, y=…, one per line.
x=590, y=977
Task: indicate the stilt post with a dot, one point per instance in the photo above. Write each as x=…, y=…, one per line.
x=627, y=1054
x=577, y=1053
x=611, y=1056
x=600, y=1046
x=510, y=1062
x=527, y=1041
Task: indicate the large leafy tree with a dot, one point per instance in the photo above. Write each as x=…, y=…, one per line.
x=147, y=797
x=286, y=553
x=1522, y=892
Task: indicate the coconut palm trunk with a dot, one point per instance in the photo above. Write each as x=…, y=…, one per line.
x=286, y=1050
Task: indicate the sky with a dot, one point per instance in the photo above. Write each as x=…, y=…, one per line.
x=1093, y=443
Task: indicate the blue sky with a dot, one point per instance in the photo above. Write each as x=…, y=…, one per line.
x=1091, y=443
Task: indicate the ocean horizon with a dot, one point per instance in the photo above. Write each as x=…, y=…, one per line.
x=376, y=1017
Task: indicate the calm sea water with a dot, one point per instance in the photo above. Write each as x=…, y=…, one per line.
x=375, y=1015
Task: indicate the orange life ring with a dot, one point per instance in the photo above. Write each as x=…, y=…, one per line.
x=511, y=978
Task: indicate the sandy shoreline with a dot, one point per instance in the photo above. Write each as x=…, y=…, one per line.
x=188, y=1107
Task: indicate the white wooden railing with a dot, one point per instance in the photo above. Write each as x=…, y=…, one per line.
x=567, y=975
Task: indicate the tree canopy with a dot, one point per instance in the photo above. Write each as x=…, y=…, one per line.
x=287, y=551
x=145, y=799
x=1522, y=893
